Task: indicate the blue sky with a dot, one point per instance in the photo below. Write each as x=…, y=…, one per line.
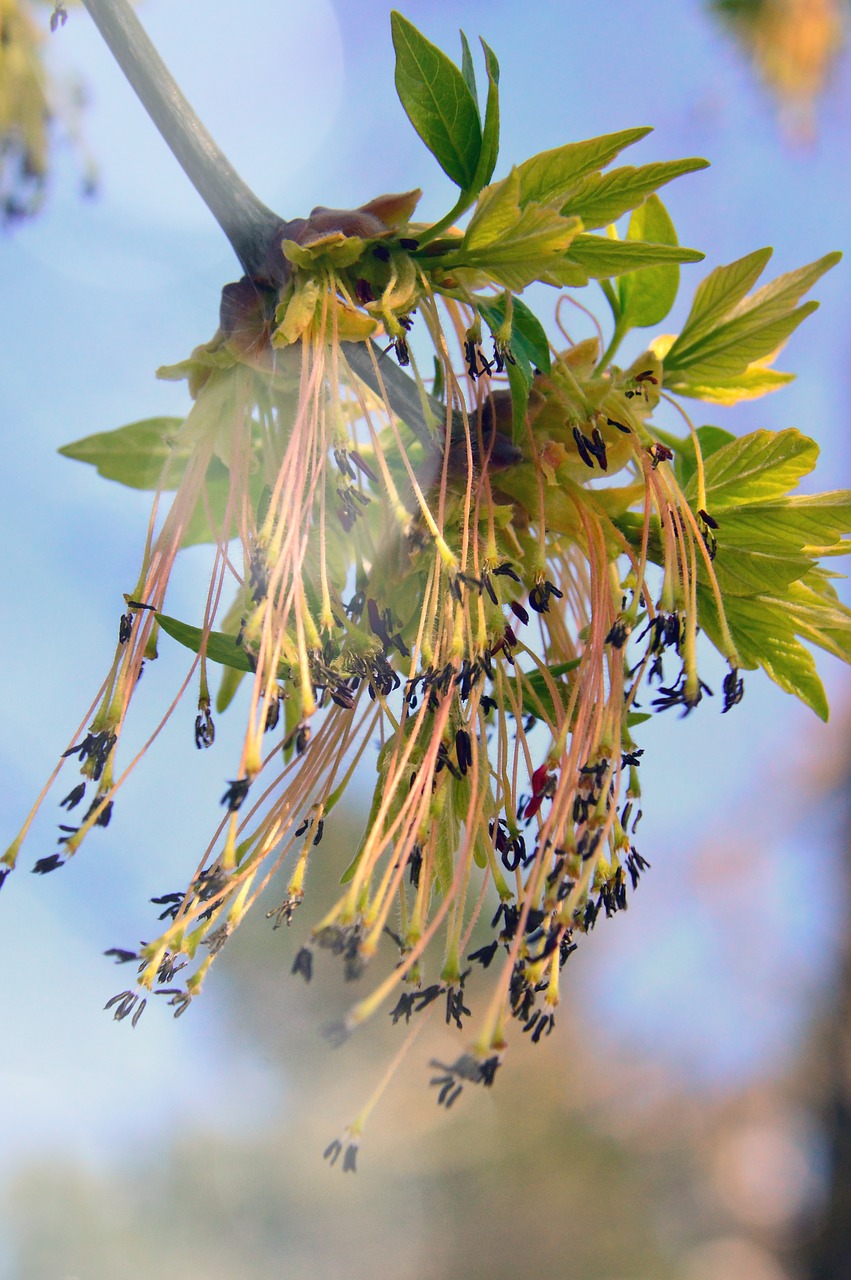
x=98, y=293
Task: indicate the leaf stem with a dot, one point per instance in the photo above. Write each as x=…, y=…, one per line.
x=248, y=224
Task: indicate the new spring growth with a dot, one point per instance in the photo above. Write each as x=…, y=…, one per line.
x=454, y=557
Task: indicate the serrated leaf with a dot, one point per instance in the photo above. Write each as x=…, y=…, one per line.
x=812, y=524
x=603, y=198
x=727, y=351
x=646, y=297
x=550, y=177
x=221, y=648
x=764, y=635
x=141, y=455
x=751, y=571
x=718, y=294
x=511, y=245
x=754, y=468
x=711, y=439
x=755, y=381
x=438, y=101
x=602, y=257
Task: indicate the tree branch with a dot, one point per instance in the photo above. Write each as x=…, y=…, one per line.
x=248, y=224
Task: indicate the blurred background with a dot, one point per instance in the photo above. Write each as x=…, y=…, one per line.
x=690, y=1118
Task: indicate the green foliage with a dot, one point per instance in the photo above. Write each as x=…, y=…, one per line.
x=142, y=455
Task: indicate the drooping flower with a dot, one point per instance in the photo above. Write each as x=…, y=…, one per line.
x=485, y=557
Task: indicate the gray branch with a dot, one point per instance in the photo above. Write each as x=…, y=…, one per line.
x=248, y=224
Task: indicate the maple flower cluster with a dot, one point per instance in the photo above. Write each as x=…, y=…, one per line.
x=469, y=575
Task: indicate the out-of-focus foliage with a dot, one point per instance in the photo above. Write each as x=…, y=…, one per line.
x=794, y=45
x=34, y=108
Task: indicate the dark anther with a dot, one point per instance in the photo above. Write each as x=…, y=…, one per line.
x=50, y=863
x=125, y=628
x=505, y=570
x=303, y=963
x=205, y=730
x=171, y=902
x=598, y=448
x=635, y=864
x=589, y=918
x=363, y=291
x=302, y=738
x=539, y=596
x=415, y=862
x=618, y=634
x=734, y=689
x=659, y=453
x=502, y=355
x=123, y=1002
x=518, y=611
x=74, y=797
x=139, y=1011
x=647, y=376
x=620, y=426
x=406, y=242
x=235, y=794
x=301, y=829
x=708, y=519
x=350, y=1159
x=485, y=954
x=320, y=831
x=121, y=956
x=545, y=1025
x=273, y=714
x=363, y=466
x=404, y=1007
x=584, y=447
x=333, y=1150
x=381, y=252
x=463, y=750
x=102, y=820
x=455, y=1007
x=488, y=586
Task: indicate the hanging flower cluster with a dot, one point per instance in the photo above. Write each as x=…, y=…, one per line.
x=434, y=531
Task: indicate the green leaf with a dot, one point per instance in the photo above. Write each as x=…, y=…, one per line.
x=438, y=102
x=468, y=71
x=764, y=636
x=757, y=467
x=603, y=198
x=140, y=455
x=757, y=380
x=490, y=133
x=710, y=439
x=221, y=648
x=647, y=296
x=513, y=246
x=810, y=524
x=725, y=331
x=727, y=351
x=600, y=256
x=550, y=177
x=750, y=571
x=718, y=294
x=536, y=698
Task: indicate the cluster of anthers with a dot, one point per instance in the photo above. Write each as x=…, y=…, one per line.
x=455, y=589
x=488, y=569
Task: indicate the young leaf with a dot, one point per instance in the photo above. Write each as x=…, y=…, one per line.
x=757, y=380
x=710, y=439
x=513, y=246
x=221, y=648
x=599, y=256
x=141, y=455
x=728, y=350
x=438, y=102
x=756, y=467
x=550, y=177
x=646, y=297
x=603, y=198
x=490, y=133
x=468, y=71
x=718, y=294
